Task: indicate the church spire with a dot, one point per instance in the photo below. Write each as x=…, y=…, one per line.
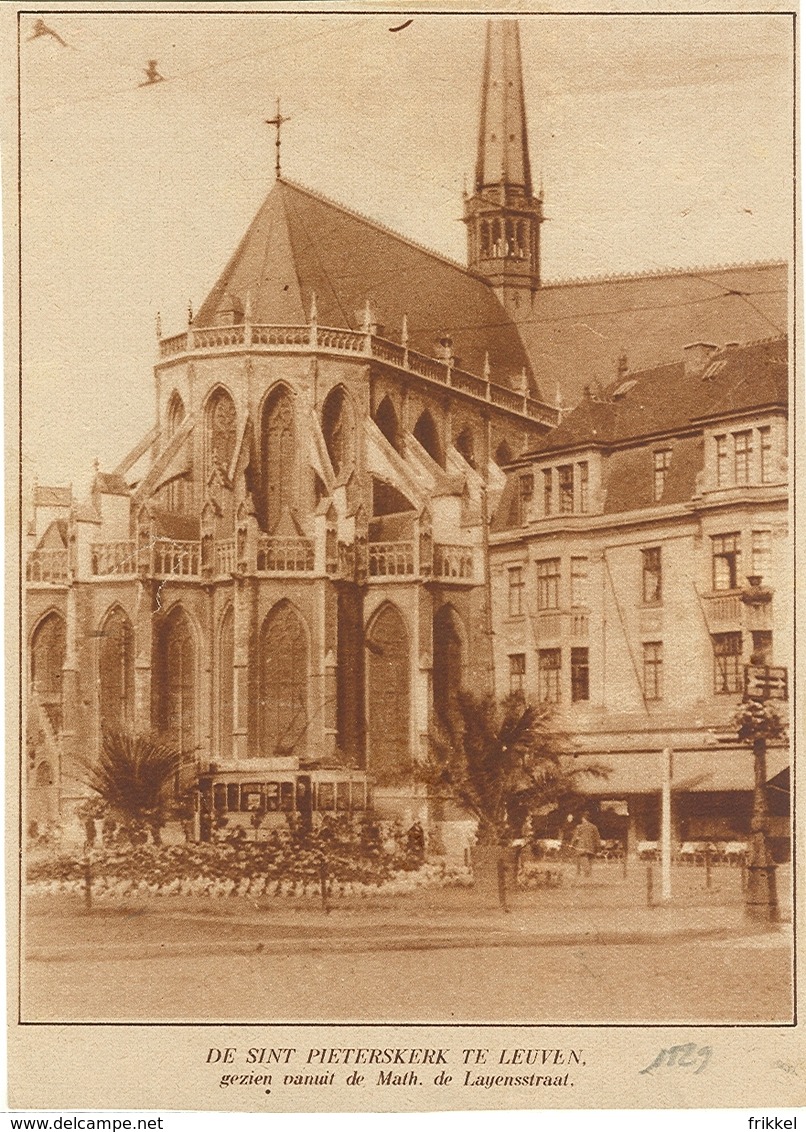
x=503, y=216
x=503, y=153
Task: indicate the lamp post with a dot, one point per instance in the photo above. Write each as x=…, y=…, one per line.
x=757, y=723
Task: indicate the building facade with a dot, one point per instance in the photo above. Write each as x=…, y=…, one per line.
x=640, y=557
x=316, y=544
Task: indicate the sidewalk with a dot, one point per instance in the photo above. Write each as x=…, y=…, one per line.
x=607, y=909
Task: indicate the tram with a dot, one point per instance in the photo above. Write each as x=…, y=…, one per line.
x=231, y=799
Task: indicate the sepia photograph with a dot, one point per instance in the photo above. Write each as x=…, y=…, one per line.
x=406, y=551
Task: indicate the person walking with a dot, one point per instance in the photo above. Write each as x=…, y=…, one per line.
x=587, y=843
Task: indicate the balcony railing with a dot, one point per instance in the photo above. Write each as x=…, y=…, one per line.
x=284, y=555
x=391, y=559
x=225, y=556
x=113, y=558
x=302, y=338
x=723, y=610
x=453, y=562
x=50, y=566
x=173, y=559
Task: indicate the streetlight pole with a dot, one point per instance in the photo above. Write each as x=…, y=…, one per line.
x=761, y=898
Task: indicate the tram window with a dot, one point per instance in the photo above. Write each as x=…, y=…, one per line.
x=233, y=792
x=358, y=795
x=342, y=795
x=286, y=796
x=326, y=798
x=251, y=797
x=272, y=796
x=303, y=794
x=205, y=795
x=219, y=796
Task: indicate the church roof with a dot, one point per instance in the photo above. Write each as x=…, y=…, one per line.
x=301, y=244
x=666, y=399
x=576, y=332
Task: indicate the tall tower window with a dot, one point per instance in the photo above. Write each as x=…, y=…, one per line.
x=116, y=672
x=278, y=453
x=283, y=683
x=220, y=420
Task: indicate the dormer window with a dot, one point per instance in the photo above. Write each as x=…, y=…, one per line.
x=582, y=468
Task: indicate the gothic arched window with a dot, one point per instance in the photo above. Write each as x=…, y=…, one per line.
x=339, y=430
x=387, y=422
x=503, y=454
x=464, y=444
x=448, y=660
x=426, y=432
x=277, y=457
x=226, y=671
x=388, y=696
x=116, y=672
x=176, y=413
x=175, y=681
x=220, y=432
x=283, y=682
x=47, y=657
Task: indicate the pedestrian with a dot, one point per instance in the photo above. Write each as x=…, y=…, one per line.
x=587, y=842
x=415, y=843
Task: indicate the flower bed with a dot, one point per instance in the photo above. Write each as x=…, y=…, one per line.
x=280, y=867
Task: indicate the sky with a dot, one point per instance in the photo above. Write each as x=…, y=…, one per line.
x=661, y=141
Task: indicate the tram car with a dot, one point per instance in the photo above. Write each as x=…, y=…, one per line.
x=257, y=801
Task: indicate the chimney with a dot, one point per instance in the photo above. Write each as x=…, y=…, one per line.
x=696, y=357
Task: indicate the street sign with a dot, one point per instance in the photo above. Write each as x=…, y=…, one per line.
x=763, y=682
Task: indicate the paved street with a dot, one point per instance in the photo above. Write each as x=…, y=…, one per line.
x=698, y=980
x=586, y=952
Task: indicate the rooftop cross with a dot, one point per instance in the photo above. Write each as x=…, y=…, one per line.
x=277, y=122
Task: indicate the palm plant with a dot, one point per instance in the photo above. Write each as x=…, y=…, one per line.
x=500, y=761
x=132, y=778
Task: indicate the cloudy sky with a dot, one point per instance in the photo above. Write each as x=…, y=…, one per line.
x=661, y=141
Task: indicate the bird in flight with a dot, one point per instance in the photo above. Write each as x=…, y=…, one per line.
x=152, y=74
x=41, y=28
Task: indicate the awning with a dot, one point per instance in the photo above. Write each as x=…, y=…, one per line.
x=693, y=771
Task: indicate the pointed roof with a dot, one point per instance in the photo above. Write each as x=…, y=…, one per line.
x=301, y=244
x=503, y=150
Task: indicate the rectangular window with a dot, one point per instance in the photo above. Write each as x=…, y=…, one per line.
x=761, y=555
x=727, y=663
x=565, y=479
x=582, y=470
x=233, y=797
x=548, y=584
x=517, y=672
x=579, y=583
x=726, y=558
x=742, y=456
x=580, y=683
x=547, y=500
x=653, y=670
x=516, y=586
x=765, y=441
x=652, y=575
x=721, y=461
x=548, y=671
x=663, y=459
